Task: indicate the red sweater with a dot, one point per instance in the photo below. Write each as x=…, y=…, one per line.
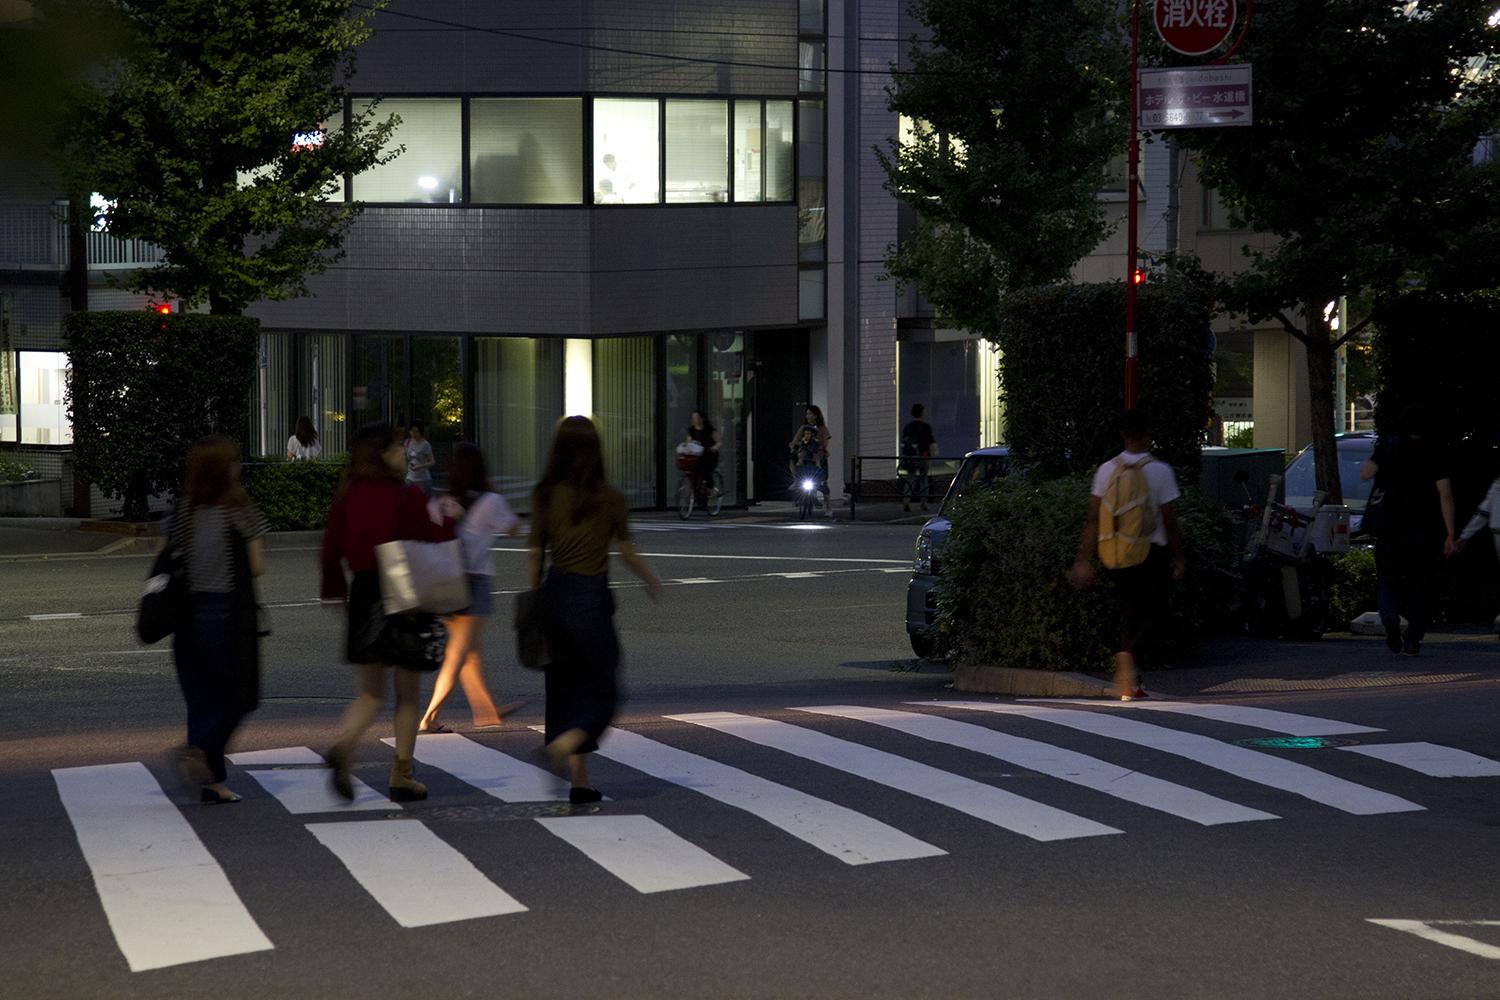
x=372, y=513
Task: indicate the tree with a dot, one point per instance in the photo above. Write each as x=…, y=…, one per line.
x=1015, y=111
x=204, y=97
x=1361, y=161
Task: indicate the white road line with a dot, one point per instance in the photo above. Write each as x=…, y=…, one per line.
x=799, y=576
x=59, y=616
x=1269, y=719
x=985, y=802
x=687, y=581
x=1056, y=762
x=167, y=900
x=1426, y=930
x=496, y=774
x=309, y=791
x=1250, y=765
x=280, y=755
x=719, y=557
x=1431, y=759
x=642, y=853
x=852, y=837
x=414, y=875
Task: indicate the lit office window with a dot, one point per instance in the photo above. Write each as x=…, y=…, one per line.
x=749, y=147
x=40, y=395
x=627, y=152
x=697, y=151
x=526, y=151
x=778, y=160
x=430, y=169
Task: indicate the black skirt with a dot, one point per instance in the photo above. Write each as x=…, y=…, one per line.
x=583, y=690
x=366, y=619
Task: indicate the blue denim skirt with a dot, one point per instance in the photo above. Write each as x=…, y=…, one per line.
x=481, y=601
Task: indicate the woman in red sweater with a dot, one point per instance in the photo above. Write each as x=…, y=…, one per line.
x=373, y=506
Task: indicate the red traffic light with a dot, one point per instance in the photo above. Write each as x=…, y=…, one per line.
x=1138, y=276
x=164, y=308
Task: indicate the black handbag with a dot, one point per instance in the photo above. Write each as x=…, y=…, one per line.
x=532, y=648
x=164, y=599
x=413, y=641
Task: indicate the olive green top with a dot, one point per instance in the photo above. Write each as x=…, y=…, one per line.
x=580, y=547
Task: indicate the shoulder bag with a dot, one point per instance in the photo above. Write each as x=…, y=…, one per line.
x=532, y=648
x=164, y=599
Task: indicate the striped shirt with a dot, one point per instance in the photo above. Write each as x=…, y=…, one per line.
x=210, y=559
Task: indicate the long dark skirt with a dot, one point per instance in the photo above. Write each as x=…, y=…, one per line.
x=217, y=667
x=582, y=682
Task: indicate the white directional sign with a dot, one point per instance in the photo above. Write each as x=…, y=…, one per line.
x=1196, y=97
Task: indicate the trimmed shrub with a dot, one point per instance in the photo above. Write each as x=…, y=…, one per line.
x=1351, y=592
x=294, y=496
x=16, y=470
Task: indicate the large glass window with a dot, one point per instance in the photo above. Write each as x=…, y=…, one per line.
x=271, y=418
x=39, y=399
x=811, y=57
x=812, y=225
x=749, y=147
x=627, y=152
x=437, y=395
x=518, y=397
x=625, y=408
x=697, y=151
x=379, y=390
x=779, y=180
x=681, y=385
x=725, y=405
x=526, y=151
x=430, y=168
x=810, y=17
x=323, y=381
x=946, y=379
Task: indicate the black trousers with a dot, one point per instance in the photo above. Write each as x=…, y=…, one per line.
x=208, y=670
x=1141, y=592
x=582, y=683
x=1404, y=571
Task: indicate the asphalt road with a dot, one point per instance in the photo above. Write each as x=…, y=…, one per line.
x=749, y=847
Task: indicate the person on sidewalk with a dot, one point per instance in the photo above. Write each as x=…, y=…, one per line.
x=918, y=444
x=372, y=507
x=1487, y=516
x=575, y=516
x=419, y=460
x=1412, y=522
x=1132, y=526
x=219, y=534
x=481, y=514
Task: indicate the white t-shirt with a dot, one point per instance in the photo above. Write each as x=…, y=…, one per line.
x=487, y=517
x=297, y=452
x=1161, y=484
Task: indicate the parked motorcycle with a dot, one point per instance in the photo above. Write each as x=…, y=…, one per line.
x=1287, y=566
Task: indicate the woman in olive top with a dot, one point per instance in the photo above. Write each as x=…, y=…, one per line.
x=575, y=516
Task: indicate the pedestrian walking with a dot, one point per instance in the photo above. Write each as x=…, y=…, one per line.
x=576, y=515
x=218, y=534
x=373, y=507
x=303, y=445
x=1410, y=513
x=481, y=514
x=419, y=460
x=1486, y=517
x=1132, y=528
x=918, y=444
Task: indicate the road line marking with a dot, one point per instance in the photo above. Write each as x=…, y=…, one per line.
x=985, y=802
x=1250, y=765
x=280, y=755
x=1269, y=719
x=642, y=853
x=1431, y=759
x=1424, y=929
x=496, y=774
x=1056, y=762
x=412, y=873
x=59, y=616
x=852, y=837
x=310, y=791
x=688, y=581
x=799, y=576
x=167, y=900
x=747, y=558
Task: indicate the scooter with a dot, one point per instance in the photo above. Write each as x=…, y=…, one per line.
x=1287, y=569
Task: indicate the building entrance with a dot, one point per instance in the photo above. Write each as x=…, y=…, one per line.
x=780, y=383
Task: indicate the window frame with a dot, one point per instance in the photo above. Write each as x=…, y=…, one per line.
x=19, y=415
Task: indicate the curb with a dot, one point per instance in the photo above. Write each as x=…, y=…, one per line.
x=1030, y=683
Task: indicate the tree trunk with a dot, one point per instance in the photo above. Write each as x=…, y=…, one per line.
x=1320, y=379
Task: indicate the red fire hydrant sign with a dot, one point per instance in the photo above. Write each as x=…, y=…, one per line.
x=1194, y=27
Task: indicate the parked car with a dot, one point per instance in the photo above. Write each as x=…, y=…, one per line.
x=978, y=469
x=1301, y=477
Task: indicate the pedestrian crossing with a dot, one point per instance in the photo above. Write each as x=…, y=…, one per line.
x=165, y=894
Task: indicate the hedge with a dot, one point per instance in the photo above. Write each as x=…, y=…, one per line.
x=294, y=496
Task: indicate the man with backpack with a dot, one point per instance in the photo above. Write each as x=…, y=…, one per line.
x=917, y=445
x=1132, y=526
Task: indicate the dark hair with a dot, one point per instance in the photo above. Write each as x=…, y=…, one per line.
x=367, y=455
x=576, y=459
x=468, y=479
x=418, y=426
x=210, y=479
x=817, y=415
x=305, y=433
x=1134, y=424
x=917, y=409
x=708, y=424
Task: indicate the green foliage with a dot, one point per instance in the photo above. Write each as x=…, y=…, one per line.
x=1242, y=438
x=1062, y=372
x=1351, y=591
x=204, y=92
x=142, y=387
x=1017, y=109
x=15, y=470
x=1003, y=597
x=1440, y=352
x=294, y=496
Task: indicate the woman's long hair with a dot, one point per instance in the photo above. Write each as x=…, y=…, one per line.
x=577, y=459
x=367, y=456
x=211, y=479
x=468, y=479
x=817, y=413
x=306, y=434
x=708, y=425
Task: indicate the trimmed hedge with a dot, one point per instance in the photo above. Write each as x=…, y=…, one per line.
x=294, y=496
x=1352, y=590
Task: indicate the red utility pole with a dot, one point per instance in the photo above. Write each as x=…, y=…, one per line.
x=1132, y=223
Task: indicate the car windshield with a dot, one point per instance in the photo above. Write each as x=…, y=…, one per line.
x=977, y=470
x=1301, y=477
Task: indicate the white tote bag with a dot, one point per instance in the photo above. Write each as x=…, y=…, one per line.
x=422, y=576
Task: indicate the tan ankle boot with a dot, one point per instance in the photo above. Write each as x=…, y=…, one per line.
x=405, y=788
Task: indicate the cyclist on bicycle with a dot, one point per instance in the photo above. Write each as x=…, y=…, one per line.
x=807, y=456
x=703, y=434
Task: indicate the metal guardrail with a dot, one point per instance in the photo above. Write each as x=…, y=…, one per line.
x=885, y=478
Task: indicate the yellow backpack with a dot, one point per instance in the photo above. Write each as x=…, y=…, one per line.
x=1127, y=517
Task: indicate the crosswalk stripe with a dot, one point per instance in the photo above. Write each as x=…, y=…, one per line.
x=412, y=873
x=851, y=837
x=985, y=802
x=1431, y=759
x=309, y=791
x=492, y=772
x=1269, y=719
x=167, y=900
x=1056, y=762
x=270, y=758
x=1250, y=765
x=642, y=853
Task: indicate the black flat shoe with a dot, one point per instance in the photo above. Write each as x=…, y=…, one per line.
x=343, y=784
x=584, y=796
x=208, y=795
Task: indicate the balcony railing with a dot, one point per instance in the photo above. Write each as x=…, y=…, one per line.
x=34, y=237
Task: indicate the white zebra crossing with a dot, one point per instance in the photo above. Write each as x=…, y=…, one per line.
x=496, y=774
x=642, y=853
x=1269, y=719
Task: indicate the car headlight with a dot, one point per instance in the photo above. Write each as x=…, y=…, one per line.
x=923, y=563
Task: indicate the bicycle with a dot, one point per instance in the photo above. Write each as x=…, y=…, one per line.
x=806, y=485
x=694, y=491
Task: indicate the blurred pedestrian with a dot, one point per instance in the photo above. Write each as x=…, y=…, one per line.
x=576, y=515
x=812, y=418
x=419, y=460
x=1410, y=513
x=218, y=533
x=481, y=514
x=303, y=445
x=373, y=507
x=1487, y=516
x=918, y=444
x=1132, y=527
x=703, y=433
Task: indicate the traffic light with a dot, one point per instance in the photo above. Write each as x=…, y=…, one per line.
x=1138, y=276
